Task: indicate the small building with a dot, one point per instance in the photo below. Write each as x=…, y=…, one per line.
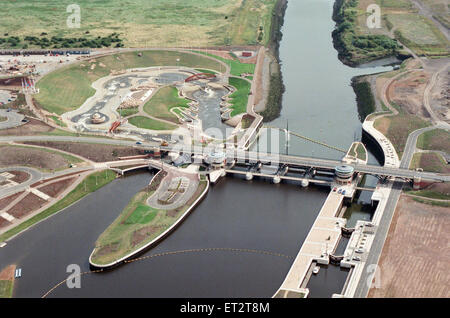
x=344, y=174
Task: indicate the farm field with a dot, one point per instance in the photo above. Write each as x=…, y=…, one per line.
x=413, y=262
x=145, y=23
x=72, y=84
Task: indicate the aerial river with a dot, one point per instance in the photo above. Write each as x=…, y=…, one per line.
x=252, y=230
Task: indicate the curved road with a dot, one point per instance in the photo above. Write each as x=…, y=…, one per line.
x=14, y=119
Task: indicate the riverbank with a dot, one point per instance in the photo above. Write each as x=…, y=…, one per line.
x=276, y=89
x=90, y=184
x=354, y=47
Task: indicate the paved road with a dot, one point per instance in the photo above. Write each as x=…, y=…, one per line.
x=14, y=119
x=244, y=155
x=36, y=175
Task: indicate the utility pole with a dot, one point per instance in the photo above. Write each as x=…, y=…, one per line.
x=287, y=136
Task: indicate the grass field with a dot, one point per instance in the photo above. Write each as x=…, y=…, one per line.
x=437, y=139
x=145, y=23
x=163, y=101
x=137, y=225
x=90, y=184
x=419, y=34
x=128, y=111
x=68, y=88
x=149, y=123
x=239, y=98
x=3, y=118
x=236, y=67
x=431, y=162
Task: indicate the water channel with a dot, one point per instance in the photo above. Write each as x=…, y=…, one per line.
x=319, y=102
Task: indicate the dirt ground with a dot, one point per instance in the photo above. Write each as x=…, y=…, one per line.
x=56, y=188
x=33, y=127
x=407, y=92
x=415, y=257
x=6, y=201
x=19, y=176
x=31, y=157
x=94, y=152
x=8, y=273
x=440, y=96
x=28, y=204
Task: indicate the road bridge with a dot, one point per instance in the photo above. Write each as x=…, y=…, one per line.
x=248, y=156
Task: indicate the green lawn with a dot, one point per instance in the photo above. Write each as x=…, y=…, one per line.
x=163, y=101
x=128, y=111
x=3, y=118
x=90, y=184
x=239, y=98
x=68, y=88
x=431, y=194
x=6, y=288
x=141, y=215
x=236, y=67
x=58, y=121
x=148, y=123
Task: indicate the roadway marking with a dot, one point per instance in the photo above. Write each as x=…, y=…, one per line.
x=8, y=217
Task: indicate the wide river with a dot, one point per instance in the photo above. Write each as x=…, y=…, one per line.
x=253, y=229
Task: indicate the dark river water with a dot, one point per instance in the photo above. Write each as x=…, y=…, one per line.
x=319, y=101
x=257, y=215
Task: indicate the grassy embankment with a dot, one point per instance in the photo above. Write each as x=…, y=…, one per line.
x=163, y=101
x=438, y=140
x=239, y=98
x=3, y=118
x=72, y=84
x=90, y=184
x=144, y=23
x=364, y=97
x=354, y=41
x=276, y=85
x=138, y=225
x=236, y=67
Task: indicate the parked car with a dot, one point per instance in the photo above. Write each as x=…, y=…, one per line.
x=138, y=143
x=334, y=189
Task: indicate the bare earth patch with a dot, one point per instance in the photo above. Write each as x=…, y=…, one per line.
x=33, y=127
x=28, y=204
x=56, y=188
x=415, y=257
x=31, y=157
x=6, y=201
x=94, y=152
